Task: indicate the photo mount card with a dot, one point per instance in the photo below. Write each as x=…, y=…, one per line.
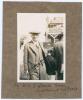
x=47, y=18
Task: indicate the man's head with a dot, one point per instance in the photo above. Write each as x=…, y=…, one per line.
x=59, y=36
x=34, y=35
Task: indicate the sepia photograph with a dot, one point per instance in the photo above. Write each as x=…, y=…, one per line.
x=42, y=44
x=41, y=47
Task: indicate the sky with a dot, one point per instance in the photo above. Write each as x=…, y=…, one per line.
x=34, y=22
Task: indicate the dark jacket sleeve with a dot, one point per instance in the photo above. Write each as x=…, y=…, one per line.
x=58, y=55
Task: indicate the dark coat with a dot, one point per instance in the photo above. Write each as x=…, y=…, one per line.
x=58, y=56
x=51, y=69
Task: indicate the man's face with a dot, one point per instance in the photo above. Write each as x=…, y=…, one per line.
x=34, y=37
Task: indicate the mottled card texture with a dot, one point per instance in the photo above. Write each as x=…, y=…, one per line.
x=72, y=86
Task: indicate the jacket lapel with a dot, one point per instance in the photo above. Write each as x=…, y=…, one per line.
x=32, y=48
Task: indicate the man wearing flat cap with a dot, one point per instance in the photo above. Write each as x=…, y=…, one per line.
x=58, y=55
x=34, y=66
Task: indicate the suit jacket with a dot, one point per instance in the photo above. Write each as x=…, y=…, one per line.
x=58, y=55
x=34, y=65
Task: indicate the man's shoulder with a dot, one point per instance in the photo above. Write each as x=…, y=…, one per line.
x=27, y=44
x=58, y=44
x=30, y=42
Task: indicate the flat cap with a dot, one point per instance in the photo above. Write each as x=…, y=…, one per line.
x=35, y=33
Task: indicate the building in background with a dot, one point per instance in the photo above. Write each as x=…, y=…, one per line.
x=54, y=27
